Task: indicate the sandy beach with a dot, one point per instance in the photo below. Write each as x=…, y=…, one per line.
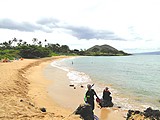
x=25, y=89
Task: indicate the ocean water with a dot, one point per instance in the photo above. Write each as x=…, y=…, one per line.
x=134, y=81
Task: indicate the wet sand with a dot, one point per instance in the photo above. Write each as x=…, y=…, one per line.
x=25, y=88
x=71, y=98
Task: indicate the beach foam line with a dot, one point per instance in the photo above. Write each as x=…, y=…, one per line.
x=75, y=77
x=80, y=78
x=57, y=65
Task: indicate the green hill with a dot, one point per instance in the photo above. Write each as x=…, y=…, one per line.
x=104, y=50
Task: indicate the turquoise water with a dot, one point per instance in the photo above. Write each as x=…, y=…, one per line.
x=133, y=80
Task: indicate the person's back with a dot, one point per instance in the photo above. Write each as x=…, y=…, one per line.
x=90, y=96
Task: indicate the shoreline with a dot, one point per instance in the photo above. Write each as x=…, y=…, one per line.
x=65, y=96
x=42, y=97
x=78, y=93
x=122, y=97
x=25, y=90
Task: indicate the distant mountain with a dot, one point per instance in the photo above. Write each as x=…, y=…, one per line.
x=149, y=53
x=104, y=50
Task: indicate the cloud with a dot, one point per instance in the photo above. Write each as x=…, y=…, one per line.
x=49, y=22
x=22, y=26
x=87, y=33
x=79, y=32
x=49, y=25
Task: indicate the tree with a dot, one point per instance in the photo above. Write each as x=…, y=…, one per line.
x=58, y=45
x=45, y=42
x=24, y=43
x=7, y=45
x=20, y=42
x=14, y=40
x=54, y=47
x=35, y=40
x=9, y=42
x=34, y=51
x=64, y=49
x=40, y=43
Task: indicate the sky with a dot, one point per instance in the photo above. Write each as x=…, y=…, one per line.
x=129, y=25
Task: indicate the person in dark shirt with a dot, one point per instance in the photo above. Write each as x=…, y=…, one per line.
x=89, y=96
x=106, y=94
x=106, y=98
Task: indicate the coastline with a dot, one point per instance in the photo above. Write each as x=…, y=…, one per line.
x=25, y=90
x=68, y=97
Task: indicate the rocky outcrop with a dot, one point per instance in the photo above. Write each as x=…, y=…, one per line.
x=105, y=103
x=85, y=112
x=148, y=114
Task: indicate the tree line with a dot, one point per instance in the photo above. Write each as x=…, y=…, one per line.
x=37, y=49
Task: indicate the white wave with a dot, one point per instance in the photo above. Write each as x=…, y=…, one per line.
x=78, y=77
x=75, y=77
x=57, y=65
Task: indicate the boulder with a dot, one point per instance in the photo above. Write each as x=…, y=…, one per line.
x=105, y=103
x=148, y=114
x=85, y=111
x=43, y=109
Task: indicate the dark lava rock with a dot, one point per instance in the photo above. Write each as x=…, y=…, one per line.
x=85, y=111
x=148, y=114
x=105, y=103
x=82, y=86
x=43, y=109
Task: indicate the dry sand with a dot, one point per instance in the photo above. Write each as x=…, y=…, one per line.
x=24, y=90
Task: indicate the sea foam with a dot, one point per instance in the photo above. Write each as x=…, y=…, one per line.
x=75, y=77
x=113, y=72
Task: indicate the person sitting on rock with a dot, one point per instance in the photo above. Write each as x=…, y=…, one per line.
x=106, y=94
x=106, y=98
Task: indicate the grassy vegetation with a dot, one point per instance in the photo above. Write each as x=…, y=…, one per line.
x=9, y=53
x=18, y=48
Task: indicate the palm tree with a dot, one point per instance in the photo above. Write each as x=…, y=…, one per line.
x=14, y=40
x=24, y=43
x=20, y=42
x=9, y=42
x=40, y=43
x=35, y=40
x=58, y=45
x=6, y=44
x=45, y=43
